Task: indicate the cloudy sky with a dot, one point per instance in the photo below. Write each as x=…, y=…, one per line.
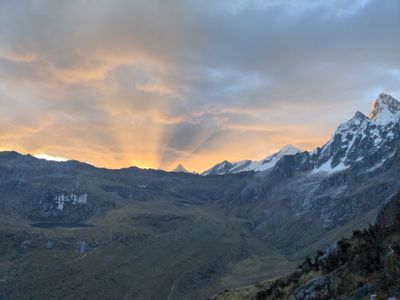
x=154, y=82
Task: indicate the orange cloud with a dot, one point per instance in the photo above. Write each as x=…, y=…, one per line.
x=157, y=84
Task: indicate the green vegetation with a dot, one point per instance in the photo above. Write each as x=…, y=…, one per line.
x=147, y=250
x=146, y=234
x=368, y=263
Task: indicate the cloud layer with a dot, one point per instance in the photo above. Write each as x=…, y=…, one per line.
x=154, y=83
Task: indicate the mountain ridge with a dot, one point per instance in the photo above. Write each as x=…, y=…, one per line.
x=248, y=165
x=339, y=152
x=108, y=228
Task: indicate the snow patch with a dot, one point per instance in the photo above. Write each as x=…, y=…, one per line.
x=49, y=157
x=248, y=165
x=327, y=168
x=385, y=110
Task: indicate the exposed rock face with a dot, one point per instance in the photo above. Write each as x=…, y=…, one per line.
x=53, y=206
x=72, y=199
x=49, y=244
x=353, y=173
x=384, y=108
x=368, y=141
x=362, y=140
x=363, y=291
x=25, y=244
x=81, y=247
x=318, y=288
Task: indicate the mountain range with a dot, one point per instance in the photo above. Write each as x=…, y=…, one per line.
x=69, y=230
x=269, y=162
x=360, y=138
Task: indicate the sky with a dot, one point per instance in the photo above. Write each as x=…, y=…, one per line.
x=155, y=83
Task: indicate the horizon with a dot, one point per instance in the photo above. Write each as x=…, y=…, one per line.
x=63, y=159
x=193, y=149
x=97, y=82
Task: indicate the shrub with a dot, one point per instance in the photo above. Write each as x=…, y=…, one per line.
x=396, y=247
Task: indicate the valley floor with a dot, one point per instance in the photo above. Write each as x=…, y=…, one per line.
x=141, y=251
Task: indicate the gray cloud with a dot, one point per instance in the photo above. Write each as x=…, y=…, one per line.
x=179, y=79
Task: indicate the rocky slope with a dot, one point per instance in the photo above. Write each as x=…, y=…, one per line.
x=69, y=230
x=365, y=266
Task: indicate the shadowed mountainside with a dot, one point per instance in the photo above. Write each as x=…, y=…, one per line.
x=69, y=230
x=365, y=266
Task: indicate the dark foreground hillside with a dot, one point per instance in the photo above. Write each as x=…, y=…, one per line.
x=365, y=266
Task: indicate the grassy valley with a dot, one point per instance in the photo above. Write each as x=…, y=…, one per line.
x=150, y=250
x=72, y=231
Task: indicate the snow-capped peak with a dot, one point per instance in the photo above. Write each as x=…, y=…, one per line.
x=385, y=109
x=354, y=124
x=361, y=136
x=287, y=150
x=358, y=140
x=270, y=161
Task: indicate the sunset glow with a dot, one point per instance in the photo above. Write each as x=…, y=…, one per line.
x=154, y=85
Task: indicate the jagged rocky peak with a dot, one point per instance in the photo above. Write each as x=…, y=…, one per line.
x=362, y=139
x=359, y=139
x=360, y=116
x=354, y=123
x=179, y=168
x=385, y=108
